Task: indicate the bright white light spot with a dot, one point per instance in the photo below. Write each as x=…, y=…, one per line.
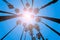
x=27, y=17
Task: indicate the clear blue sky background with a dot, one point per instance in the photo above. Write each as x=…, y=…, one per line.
x=50, y=11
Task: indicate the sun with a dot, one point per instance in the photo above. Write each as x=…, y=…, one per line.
x=27, y=17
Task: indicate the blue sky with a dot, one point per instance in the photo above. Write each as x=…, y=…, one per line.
x=50, y=11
